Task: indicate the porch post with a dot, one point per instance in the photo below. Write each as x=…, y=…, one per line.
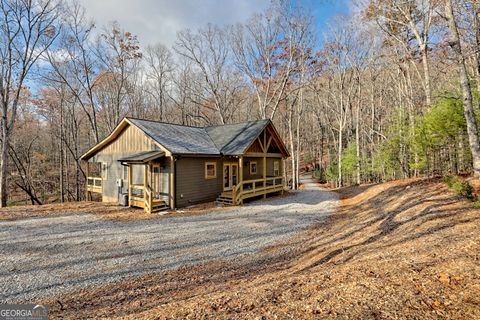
x=87, y=193
x=264, y=163
x=281, y=171
x=240, y=175
x=129, y=184
x=145, y=179
x=264, y=175
x=172, y=182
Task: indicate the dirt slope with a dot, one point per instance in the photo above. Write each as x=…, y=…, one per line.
x=405, y=249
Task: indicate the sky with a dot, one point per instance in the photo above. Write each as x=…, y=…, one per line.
x=156, y=21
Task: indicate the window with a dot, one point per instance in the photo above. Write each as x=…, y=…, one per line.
x=125, y=172
x=253, y=167
x=276, y=168
x=210, y=170
x=104, y=171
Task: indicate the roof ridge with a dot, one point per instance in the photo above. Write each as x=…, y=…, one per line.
x=230, y=124
x=163, y=122
x=198, y=127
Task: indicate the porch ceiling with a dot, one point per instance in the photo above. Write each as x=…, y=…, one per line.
x=143, y=157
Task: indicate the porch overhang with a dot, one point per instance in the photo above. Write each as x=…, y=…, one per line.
x=142, y=158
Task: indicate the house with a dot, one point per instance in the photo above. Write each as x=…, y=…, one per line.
x=163, y=165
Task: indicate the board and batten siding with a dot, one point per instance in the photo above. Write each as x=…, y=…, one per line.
x=270, y=166
x=191, y=185
x=129, y=142
x=132, y=140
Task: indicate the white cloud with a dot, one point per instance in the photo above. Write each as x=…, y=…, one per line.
x=159, y=20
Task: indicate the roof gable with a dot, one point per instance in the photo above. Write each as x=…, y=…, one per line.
x=234, y=139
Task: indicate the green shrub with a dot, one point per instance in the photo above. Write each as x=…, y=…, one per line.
x=319, y=175
x=449, y=180
x=477, y=203
x=463, y=188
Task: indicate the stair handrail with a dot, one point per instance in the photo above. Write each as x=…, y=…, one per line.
x=148, y=199
x=234, y=193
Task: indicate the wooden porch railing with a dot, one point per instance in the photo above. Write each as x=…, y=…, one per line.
x=251, y=188
x=137, y=195
x=144, y=197
x=94, y=184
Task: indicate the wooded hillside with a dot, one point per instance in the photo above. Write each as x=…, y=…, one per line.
x=390, y=91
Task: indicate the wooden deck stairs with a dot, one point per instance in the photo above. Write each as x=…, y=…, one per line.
x=225, y=199
x=159, y=205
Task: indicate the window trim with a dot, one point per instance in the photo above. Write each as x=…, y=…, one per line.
x=207, y=163
x=256, y=167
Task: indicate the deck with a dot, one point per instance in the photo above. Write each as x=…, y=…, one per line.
x=251, y=188
x=143, y=197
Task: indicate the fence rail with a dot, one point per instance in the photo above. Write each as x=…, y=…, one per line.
x=94, y=184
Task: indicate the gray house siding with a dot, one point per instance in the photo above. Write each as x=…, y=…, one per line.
x=191, y=185
x=246, y=169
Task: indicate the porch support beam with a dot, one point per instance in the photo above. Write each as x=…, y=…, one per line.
x=172, y=183
x=264, y=167
x=87, y=193
x=129, y=185
x=240, y=175
x=260, y=154
x=145, y=180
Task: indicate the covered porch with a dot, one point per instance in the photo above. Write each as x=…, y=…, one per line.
x=249, y=177
x=148, y=181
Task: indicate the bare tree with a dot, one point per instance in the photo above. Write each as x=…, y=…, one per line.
x=74, y=65
x=159, y=63
x=472, y=126
x=416, y=16
x=264, y=50
x=208, y=50
x=118, y=52
x=27, y=29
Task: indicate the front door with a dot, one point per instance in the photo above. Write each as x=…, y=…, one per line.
x=230, y=176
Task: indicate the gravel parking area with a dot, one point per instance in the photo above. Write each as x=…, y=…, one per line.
x=46, y=256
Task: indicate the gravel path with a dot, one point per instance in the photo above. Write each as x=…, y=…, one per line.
x=51, y=255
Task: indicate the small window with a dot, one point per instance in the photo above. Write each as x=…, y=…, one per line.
x=276, y=168
x=104, y=171
x=253, y=168
x=210, y=170
x=125, y=172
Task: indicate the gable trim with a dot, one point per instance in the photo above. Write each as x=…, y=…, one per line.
x=115, y=134
x=275, y=136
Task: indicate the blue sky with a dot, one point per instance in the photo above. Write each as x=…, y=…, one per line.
x=159, y=20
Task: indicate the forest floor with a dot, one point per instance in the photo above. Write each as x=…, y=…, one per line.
x=403, y=249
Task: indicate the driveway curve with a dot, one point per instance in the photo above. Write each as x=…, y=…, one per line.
x=46, y=256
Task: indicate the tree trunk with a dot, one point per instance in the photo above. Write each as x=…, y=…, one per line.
x=4, y=165
x=472, y=129
x=426, y=74
x=292, y=149
x=340, y=147
x=357, y=137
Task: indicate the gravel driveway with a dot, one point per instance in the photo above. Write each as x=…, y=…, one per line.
x=45, y=256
